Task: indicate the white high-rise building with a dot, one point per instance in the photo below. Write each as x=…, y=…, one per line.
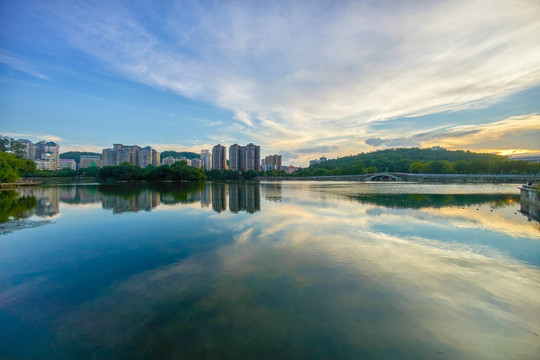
x=206, y=158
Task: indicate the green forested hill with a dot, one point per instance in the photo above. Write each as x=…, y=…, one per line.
x=178, y=154
x=420, y=161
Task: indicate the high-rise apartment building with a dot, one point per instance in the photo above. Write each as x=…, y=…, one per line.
x=29, y=149
x=148, y=156
x=251, y=157
x=169, y=160
x=273, y=162
x=219, y=157
x=40, y=149
x=235, y=157
x=244, y=157
x=133, y=154
x=54, y=149
x=46, y=154
x=196, y=163
x=206, y=158
x=155, y=158
x=108, y=157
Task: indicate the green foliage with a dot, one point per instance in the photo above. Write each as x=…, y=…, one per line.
x=269, y=173
x=12, y=146
x=11, y=167
x=89, y=172
x=215, y=174
x=67, y=173
x=418, y=167
x=179, y=154
x=179, y=171
x=371, y=170
x=76, y=155
x=421, y=161
x=7, y=172
x=439, y=167
x=251, y=174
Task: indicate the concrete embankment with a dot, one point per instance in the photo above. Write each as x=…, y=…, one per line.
x=530, y=200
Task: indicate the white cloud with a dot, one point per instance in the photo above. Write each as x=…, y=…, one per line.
x=22, y=66
x=498, y=136
x=296, y=74
x=33, y=137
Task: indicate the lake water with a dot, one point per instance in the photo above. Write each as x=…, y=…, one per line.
x=277, y=270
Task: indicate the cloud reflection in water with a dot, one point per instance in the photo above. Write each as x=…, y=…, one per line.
x=321, y=275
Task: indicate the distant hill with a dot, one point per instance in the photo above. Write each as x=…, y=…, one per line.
x=420, y=161
x=178, y=154
x=399, y=159
x=76, y=155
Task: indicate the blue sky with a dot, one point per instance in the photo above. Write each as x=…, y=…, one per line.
x=300, y=78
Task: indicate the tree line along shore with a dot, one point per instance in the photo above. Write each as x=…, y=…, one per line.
x=411, y=160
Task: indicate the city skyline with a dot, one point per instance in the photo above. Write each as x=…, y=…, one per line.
x=301, y=79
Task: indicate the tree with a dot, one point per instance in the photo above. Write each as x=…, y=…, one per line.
x=179, y=171
x=439, y=167
x=7, y=172
x=14, y=165
x=418, y=167
x=12, y=146
x=461, y=167
x=67, y=173
x=372, y=170
x=90, y=172
x=478, y=166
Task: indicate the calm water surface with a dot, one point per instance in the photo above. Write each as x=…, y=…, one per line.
x=314, y=270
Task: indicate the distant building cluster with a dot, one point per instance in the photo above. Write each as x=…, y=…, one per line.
x=241, y=158
x=320, y=160
x=88, y=161
x=169, y=160
x=272, y=162
x=46, y=154
x=133, y=154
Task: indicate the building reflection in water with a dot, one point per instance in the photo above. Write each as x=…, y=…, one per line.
x=244, y=197
x=272, y=191
x=240, y=196
x=145, y=200
x=219, y=197
x=206, y=196
x=136, y=197
x=47, y=200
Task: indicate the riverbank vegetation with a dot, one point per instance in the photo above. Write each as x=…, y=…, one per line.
x=179, y=171
x=12, y=167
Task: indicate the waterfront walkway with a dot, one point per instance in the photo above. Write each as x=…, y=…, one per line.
x=18, y=184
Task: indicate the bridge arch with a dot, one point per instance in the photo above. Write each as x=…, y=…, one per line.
x=382, y=177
